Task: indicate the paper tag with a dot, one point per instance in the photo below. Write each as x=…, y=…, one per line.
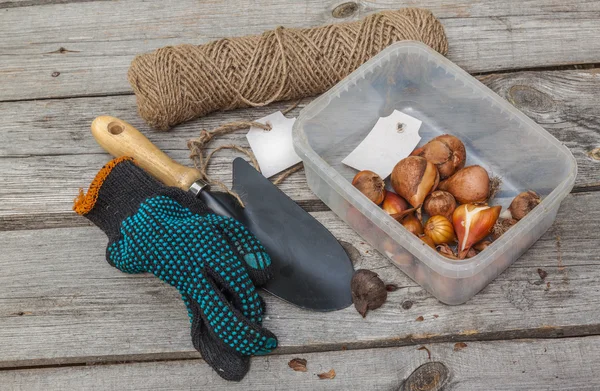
x=392, y=139
x=273, y=148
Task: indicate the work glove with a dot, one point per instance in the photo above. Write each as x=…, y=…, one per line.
x=213, y=261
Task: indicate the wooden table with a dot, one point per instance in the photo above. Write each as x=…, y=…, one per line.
x=70, y=321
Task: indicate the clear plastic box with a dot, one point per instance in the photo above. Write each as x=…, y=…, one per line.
x=411, y=77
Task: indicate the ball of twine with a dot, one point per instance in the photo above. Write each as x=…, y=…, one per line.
x=177, y=83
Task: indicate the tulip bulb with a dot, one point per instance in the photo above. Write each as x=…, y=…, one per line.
x=413, y=224
x=523, y=204
x=440, y=203
x=368, y=291
x=440, y=230
x=427, y=240
x=393, y=203
x=414, y=178
x=472, y=223
x=371, y=185
x=471, y=185
x=446, y=152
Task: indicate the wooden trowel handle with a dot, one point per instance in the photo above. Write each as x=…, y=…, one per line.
x=119, y=138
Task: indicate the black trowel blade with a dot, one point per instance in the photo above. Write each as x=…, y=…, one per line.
x=311, y=268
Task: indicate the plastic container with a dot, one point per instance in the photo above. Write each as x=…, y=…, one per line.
x=412, y=78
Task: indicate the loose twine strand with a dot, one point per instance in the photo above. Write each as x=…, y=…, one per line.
x=197, y=146
x=175, y=84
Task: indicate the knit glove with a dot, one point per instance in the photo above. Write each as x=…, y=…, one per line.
x=213, y=261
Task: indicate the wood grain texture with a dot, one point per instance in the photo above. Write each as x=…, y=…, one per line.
x=37, y=3
x=64, y=51
x=353, y=9
x=48, y=150
x=565, y=364
x=60, y=302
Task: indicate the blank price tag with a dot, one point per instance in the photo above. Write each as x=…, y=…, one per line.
x=392, y=139
x=273, y=148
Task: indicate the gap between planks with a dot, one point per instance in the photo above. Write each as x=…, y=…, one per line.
x=541, y=333
x=566, y=67
x=170, y=358
x=502, y=365
x=35, y=221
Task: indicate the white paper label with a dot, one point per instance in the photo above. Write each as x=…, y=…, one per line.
x=273, y=148
x=392, y=139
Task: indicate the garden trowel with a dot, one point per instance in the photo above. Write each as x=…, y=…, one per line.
x=310, y=267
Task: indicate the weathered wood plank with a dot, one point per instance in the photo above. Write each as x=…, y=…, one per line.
x=484, y=36
x=48, y=151
x=60, y=302
x=566, y=364
x=468, y=8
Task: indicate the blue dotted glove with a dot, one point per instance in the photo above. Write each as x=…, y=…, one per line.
x=213, y=261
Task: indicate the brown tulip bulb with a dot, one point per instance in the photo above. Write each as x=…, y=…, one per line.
x=368, y=291
x=447, y=152
x=471, y=185
x=414, y=178
x=371, y=185
x=440, y=203
x=523, y=204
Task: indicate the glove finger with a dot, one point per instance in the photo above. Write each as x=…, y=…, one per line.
x=248, y=248
x=228, y=324
x=226, y=269
x=228, y=364
x=239, y=292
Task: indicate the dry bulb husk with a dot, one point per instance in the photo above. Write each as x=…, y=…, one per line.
x=439, y=229
x=495, y=184
x=480, y=246
x=371, y=185
x=523, y=204
x=368, y=291
x=414, y=178
x=472, y=223
x=471, y=185
x=501, y=226
x=440, y=203
x=447, y=251
x=446, y=152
